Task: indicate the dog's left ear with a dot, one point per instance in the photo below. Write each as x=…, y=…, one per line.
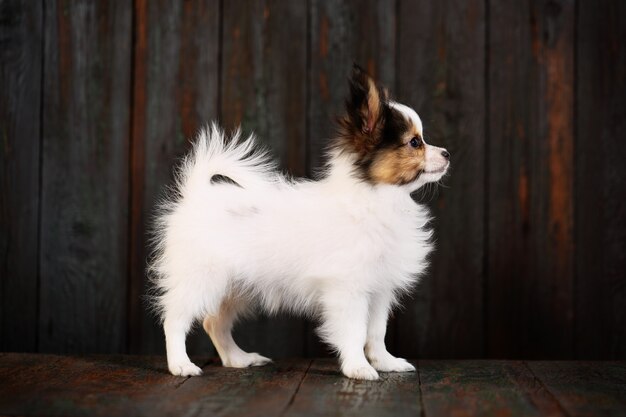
x=365, y=103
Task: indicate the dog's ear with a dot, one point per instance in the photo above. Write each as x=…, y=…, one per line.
x=365, y=103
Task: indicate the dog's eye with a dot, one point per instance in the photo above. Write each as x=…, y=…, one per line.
x=415, y=143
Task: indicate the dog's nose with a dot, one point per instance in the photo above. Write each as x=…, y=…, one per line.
x=445, y=154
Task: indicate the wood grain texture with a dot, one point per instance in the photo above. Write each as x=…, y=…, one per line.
x=473, y=388
x=84, y=176
x=264, y=90
x=325, y=392
x=440, y=73
x=343, y=33
x=98, y=100
x=92, y=385
x=601, y=181
x=175, y=93
x=21, y=26
x=264, y=63
x=533, y=389
x=530, y=183
x=257, y=391
x=585, y=388
x=118, y=385
x=141, y=386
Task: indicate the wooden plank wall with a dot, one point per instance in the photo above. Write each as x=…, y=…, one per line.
x=530, y=186
x=175, y=79
x=84, y=176
x=441, y=49
x=21, y=60
x=98, y=101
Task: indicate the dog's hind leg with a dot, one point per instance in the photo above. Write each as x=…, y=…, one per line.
x=176, y=325
x=219, y=328
x=182, y=306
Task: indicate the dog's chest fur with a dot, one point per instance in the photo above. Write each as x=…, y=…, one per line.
x=397, y=239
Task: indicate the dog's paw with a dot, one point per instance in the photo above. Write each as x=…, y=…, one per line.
x=390, y=363
x=246, y=360
x=184, y=369
x=366, y=373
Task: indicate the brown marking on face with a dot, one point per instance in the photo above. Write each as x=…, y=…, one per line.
x=379, y=135
x=400, y=165
x=397, y=162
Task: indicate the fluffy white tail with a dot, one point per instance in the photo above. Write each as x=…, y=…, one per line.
x=239, y=159
x=213, y=153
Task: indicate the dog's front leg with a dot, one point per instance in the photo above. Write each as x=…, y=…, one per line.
x=344, y=327
x=379, y=357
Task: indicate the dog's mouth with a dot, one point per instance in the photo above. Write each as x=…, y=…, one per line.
x=437, y=171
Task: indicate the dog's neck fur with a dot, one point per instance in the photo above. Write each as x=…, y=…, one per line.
x=340, y=168
x=341, y=174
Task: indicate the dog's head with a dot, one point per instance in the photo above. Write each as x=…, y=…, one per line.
x=386, y=138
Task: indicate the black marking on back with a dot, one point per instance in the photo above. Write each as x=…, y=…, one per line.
x=223, y=179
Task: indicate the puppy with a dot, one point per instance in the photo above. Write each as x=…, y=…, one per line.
x=235, y=235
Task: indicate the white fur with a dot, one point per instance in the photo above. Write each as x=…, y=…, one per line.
x=337, y=249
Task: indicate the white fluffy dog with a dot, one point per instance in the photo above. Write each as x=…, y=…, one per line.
x=236, y=235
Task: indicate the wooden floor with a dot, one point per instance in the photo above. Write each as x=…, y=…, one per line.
x=140, y=386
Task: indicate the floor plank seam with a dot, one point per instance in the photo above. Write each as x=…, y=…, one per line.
x=552, y=396
x=204, y=364
x=293, y=396
x=179, y=384
x=419, y=385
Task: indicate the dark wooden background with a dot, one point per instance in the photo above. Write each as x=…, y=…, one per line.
x=98, y=100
